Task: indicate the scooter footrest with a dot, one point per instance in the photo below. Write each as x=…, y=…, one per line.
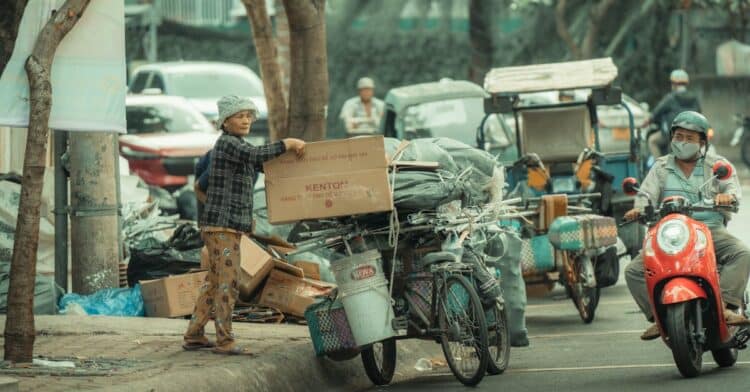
x=742, y=337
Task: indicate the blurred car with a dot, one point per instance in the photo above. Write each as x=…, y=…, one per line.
x=166, y=136
x=203, y=83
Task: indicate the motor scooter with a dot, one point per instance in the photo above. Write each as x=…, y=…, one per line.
x=683, y=280
x=742, y=138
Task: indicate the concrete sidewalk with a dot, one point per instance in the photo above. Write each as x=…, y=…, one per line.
x=145, y=354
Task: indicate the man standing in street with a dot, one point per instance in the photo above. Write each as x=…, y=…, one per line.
x=361, y=114
x=674, y=103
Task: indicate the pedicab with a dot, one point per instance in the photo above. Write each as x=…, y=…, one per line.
x=565, y=176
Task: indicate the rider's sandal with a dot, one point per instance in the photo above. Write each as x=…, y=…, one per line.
x=651, y=333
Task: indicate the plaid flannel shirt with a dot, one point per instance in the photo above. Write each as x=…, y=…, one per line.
x=231, y=179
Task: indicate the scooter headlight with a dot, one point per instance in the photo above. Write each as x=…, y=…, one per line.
x=672, y=236
x=700, y=240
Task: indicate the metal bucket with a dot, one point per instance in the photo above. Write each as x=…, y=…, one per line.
x=364, y=293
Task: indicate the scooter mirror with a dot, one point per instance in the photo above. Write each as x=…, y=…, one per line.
x=630, y=186
x=722, y=170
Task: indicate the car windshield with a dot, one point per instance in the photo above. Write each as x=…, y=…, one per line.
x=454, y=118
x=160, y=117
x=211, y=84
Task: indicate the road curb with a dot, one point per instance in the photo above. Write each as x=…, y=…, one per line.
x=289, y=369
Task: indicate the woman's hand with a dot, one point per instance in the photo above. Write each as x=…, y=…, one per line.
x=296, y=145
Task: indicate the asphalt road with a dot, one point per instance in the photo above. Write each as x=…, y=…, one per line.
x=607, y=355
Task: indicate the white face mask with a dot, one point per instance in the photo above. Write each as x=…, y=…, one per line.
x=685, y=151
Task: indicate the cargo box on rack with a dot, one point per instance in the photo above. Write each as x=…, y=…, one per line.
x=333, y=178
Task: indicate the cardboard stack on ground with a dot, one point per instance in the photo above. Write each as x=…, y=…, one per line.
x=334, y=178
x=288, y=288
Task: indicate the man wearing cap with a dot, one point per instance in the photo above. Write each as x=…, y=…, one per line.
x=683, y=173
x=226, y=216
x=674, y=103
x=361, y=114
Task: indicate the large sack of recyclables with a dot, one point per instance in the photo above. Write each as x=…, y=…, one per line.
x=465, y=173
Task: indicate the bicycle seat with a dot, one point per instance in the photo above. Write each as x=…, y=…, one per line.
x=438, y=257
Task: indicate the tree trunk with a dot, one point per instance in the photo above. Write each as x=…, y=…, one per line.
x=563, y=31
x=282, y=42
x=598, y=13
x=19, y=324
x=480, y=36
x=308, y=93
x=628, y=25
x=270, y=71
x=10, y=20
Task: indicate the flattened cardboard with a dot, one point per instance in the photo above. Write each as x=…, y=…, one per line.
x=291, y=294
x=255, y=263
x=204, y=258
x=172, y=296
x=335, y=178
x=311, y=270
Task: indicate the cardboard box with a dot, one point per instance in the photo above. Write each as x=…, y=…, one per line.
x=334, y=178
x=311, y=270
x=256, y=264
x=172, y=296
x=291, y=294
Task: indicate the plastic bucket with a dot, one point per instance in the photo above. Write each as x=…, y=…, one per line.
x=364, y=293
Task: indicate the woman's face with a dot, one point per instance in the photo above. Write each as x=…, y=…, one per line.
x=239, y=123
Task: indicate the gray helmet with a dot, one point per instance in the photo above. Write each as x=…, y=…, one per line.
x=679, y=76
x=692, y=121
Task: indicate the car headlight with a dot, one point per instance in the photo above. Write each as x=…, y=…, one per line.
x=672, y=236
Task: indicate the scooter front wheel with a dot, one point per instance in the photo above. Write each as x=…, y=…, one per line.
x=681, y=327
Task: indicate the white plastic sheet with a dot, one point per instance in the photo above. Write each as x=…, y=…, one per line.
x=88, y=73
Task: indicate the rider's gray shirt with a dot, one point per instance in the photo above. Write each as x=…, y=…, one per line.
x=655, y=181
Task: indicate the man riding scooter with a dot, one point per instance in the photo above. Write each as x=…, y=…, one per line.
x=675, y=102
x=683, y=173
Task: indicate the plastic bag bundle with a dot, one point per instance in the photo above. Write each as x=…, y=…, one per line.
x=417, y=190
x=105, y=302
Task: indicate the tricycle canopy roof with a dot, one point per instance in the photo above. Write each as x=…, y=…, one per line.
x=401, y=97
x=592, y=74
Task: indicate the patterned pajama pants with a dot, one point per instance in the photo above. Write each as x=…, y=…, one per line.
x=219, y=291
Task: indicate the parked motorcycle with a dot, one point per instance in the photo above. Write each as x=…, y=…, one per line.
x=683, y=281
x=742, y=138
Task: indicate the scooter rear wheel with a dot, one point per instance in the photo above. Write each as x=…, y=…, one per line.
x=681, y=330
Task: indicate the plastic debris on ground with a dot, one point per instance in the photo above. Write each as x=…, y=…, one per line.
x=105, y=302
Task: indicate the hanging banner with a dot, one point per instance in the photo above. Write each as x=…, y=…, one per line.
x=88, y=72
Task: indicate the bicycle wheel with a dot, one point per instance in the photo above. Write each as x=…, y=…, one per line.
x=379, y=361
x=498, y=338
x=464, y=330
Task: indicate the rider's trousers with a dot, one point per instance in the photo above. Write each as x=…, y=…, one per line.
x=733, y=259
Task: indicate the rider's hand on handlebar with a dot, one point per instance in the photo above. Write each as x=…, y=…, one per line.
x=724, y=199
x=632, y=214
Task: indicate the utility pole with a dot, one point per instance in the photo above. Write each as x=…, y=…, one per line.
x=95, y=231
x=61, y=210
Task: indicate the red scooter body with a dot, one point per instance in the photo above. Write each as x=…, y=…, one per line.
x=685, y=276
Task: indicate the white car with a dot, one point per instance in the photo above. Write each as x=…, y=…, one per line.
x=202, y=84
